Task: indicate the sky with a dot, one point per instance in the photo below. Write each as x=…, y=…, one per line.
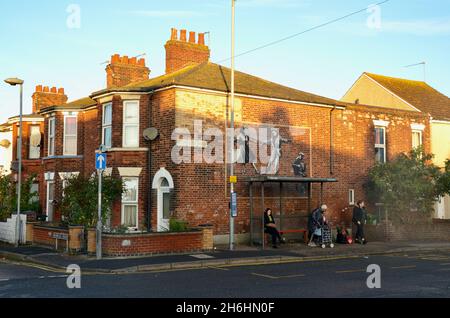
x=65, y=43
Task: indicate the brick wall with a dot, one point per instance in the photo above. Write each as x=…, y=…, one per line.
x=308, y=127
x=438, y=230
x=153, y=243
x=42, y=235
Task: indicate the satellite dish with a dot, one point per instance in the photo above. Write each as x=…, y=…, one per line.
x=5, y=143
x=151, y=134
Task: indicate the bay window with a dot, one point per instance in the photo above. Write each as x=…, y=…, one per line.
x=35, y=141
x=107, y=125
x=130, y=203
x=51, y=136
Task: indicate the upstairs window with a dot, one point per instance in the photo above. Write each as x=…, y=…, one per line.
x=35, y=143
x=51, y=136
x=70, y=135
x=107, y=125
x=380, y=144
x=131, y=124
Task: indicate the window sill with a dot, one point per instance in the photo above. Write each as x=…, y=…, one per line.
x=126, y=149
x=62, y=157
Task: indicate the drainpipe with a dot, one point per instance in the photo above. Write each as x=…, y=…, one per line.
x=149, y=194
x=331, y=140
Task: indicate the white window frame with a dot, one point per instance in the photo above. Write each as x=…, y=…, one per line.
x=48, y=204
x=351, y=197
x=68, y=135
x=106, y=125
x=383, y=146
x=51, y=136
x=420, y=132
x=130, y=124
x=132, y=203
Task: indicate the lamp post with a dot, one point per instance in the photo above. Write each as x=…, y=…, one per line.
x=232, y=120
x=14, y=82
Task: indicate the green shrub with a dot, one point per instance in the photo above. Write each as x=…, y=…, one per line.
x=177, y=226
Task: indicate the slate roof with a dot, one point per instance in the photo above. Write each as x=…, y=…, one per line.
x=419, y=94
x=216, y=77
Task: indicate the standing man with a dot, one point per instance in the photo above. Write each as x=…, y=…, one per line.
x=359, y=219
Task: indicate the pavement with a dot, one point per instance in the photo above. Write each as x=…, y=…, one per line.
x=220, y=257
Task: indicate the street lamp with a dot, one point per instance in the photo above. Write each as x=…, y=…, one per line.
x=14, y=82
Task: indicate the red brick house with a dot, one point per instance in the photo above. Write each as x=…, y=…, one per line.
x=339, y=140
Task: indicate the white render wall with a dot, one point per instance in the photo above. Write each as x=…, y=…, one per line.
x=8, y=229
x=6, y=153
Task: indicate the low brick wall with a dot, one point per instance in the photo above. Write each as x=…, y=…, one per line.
x=43, y=235
x=156, y=243
x=438, y=230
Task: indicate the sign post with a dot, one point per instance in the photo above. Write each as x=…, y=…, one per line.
x=100, y=165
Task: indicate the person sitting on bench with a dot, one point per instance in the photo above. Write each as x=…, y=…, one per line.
x=271, y=228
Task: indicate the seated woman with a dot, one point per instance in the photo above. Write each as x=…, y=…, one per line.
x=271, y=228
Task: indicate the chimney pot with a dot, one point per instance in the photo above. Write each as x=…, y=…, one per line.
x=133, y=61
x=183, y=35
x=141, y=62
x=201, y=38
x=192, y=37
x=54, y=90
x=125, y=59
x=115, y=58
x=39, y=88
x=174, y=34
x=46, y=89
x=61, y=91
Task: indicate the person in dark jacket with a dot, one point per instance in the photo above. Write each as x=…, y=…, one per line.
x=359, y=219
x=271, y=228
x=315, y=222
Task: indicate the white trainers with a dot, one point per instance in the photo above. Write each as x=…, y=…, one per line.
x=312, y=244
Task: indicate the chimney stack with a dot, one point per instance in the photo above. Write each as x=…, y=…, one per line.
x=45, y=97
x=181, y=53
x=123, y=70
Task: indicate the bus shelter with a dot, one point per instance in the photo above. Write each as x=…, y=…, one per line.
x=260, y=183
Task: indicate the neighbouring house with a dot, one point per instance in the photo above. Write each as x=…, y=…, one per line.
x=338, y=139
x=404, y=94
x=5, y=149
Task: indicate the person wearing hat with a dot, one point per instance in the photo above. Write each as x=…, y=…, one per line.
x=299, y=165
x=316, y=222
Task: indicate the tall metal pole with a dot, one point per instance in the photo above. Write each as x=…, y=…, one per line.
x=99, y=220
x=232, y=121
x=19, y=177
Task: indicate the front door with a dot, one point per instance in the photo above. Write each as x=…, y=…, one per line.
x=163, y=209
x=50, y=199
